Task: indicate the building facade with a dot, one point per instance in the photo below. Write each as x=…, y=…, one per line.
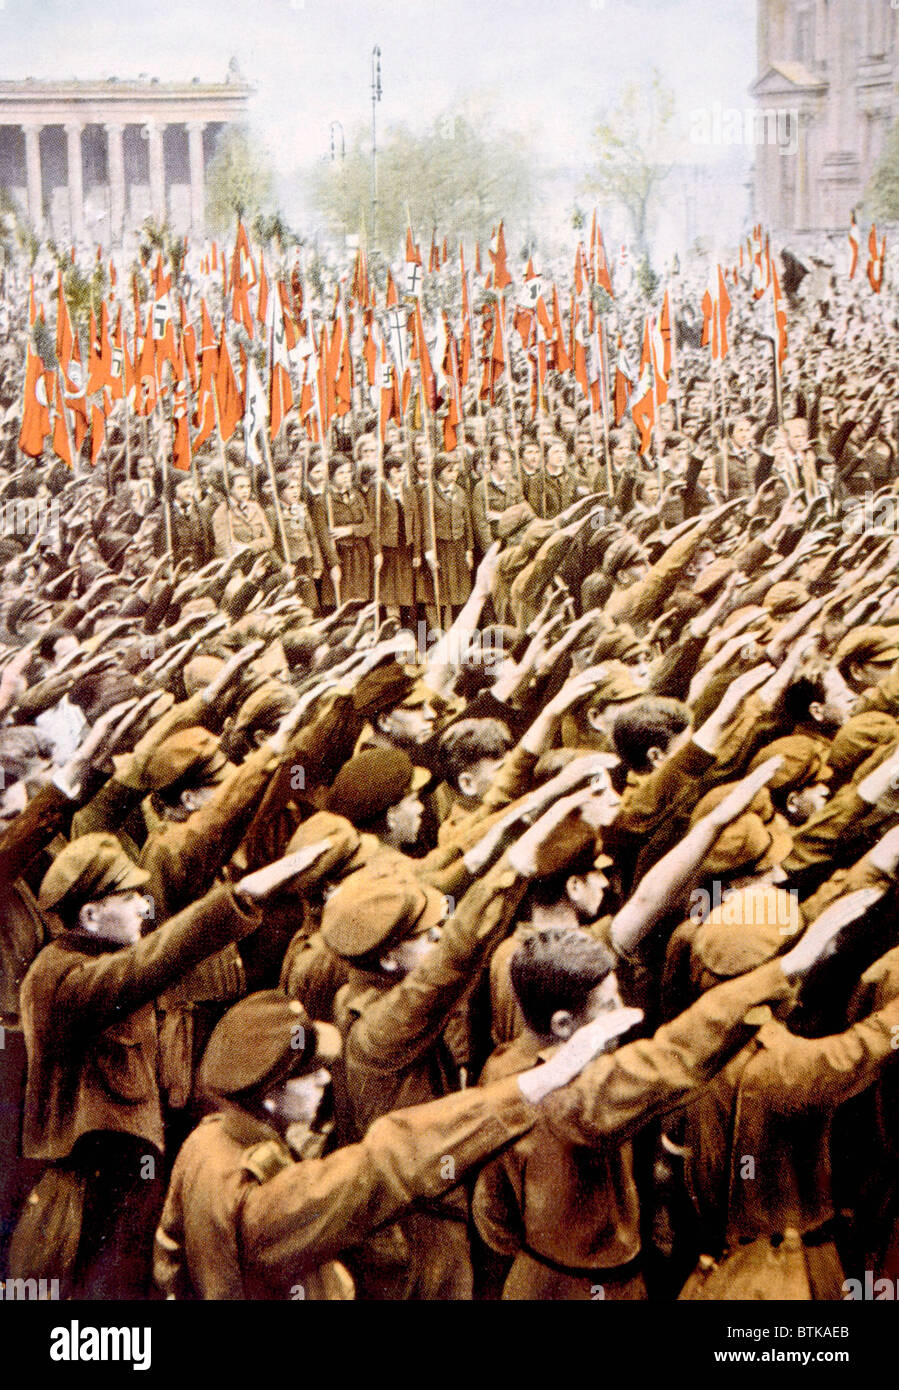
x=826, y=95
x=90, y=160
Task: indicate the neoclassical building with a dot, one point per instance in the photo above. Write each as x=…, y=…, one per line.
x=832, y=66
x=88, y=160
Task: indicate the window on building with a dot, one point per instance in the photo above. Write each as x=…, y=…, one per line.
x=805, y=37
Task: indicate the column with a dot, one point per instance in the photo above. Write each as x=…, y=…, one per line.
x=76, y=181
x=197, y=176
x=157, y=171
x=115, y=161
x=33, y=176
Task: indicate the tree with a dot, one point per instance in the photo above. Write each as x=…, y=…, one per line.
x=239, y=180
x=629, y=145
x=882, y=199
x=456, y=176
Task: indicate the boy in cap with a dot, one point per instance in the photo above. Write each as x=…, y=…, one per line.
x=407, y=978
x=256, y=1209
x=563, y=1199
x=92, y=1106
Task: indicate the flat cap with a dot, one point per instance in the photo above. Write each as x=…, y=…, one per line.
x=200, y=672
x=872, y=644
x=263, y=1040
x=785, y=597
x=343, y=838
x=193, y=754
x=802, y=762
x=378, y=906
x=372, y=781
x=614, y=686
x=751, y=926
x=89, y=868
x=267, y=703
x=758, y=839
x=621, y=643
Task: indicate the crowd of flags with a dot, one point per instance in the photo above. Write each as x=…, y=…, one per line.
x=273, y=353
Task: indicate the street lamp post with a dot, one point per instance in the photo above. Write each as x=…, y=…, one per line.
x=375, y=98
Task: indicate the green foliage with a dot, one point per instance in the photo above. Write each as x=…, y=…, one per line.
x=457, y=177
x=15, y=229
x=239, y=180
x=882, y=199
x=646, y=278
x=578, y=219
x=273, y=228
x=629, y=145
x=603, y=302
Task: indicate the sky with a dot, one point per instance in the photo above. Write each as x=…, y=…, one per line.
x=543, y=67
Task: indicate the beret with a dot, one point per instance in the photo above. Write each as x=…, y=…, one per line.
x=378, y=905
x=263, y=1040
x=90, y=867
x=372, y=781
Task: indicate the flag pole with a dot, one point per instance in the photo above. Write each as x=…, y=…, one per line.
x=379, y=556
x=603, y=403
x=426, y=420
x=266, y=430
x=675, y=370
x=224, y=462
x=166, y=492
x=512, y=420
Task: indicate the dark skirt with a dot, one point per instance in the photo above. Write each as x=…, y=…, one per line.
x=397, y=588
x=453, y=578
x=354, y=558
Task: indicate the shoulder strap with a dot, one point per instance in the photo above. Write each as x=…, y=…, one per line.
x=266, y=1160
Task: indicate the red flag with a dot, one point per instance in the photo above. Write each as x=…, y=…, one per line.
x=62, y=443
x=181, y=441
x=501, y=276
x=414, y=275
x=419, y=351
x=35, y=405
x=642, y=402
x=228, y=397
x=242, y=268
x=561, y=360
x=603, y=275
x=72, y=373
x=715, y=310
x=280, y=399
x=262, y=294
x=875, y=260
x=204, y=412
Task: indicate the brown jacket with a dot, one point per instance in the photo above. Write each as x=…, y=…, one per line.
x=566, y=1191
x=774, y=1102
x=90, y=1025
x=227, y=1232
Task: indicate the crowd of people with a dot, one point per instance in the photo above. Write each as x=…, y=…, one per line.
x=473, y=877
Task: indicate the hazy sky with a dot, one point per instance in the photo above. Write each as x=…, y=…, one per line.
x=545, y=67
